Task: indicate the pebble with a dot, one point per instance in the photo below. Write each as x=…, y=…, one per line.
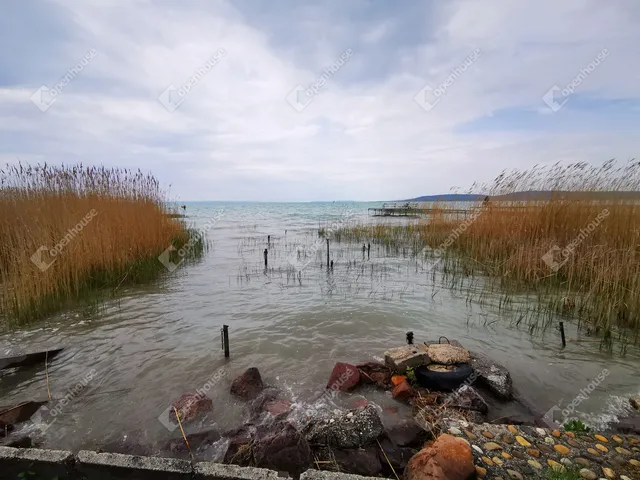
x=545, y=448
x=470, y=435
x=488, y=461
x=566, y=462
x=616, y=438
x=634, y=462
x=593, y=452
x=588, y=474
x=533, y=452
x=573, y=443
x=506, y=456
x=581, y=461
x=602, y=448
x=488, y=435
x=608, y=472
x=522, y=441
x=514, y=474
x=534, y=464
x=601, y=438
x=492, y=446
x=497, y=461
x=518, y=454
x=556, y=433
x=508, y=439
x=481, y=471
x=570, y=434
x=556, y=466
x=512, y=429
x=452, y=430
x=541, y=432
x=561, y=449
x=624, y=477
x=623, y=451
x=549, y=440
x=477, y=449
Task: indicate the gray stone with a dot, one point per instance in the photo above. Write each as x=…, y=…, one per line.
x=399, y=358
x=354, y=428
x=116, y=465
x=218, y=471
x=635, y=402
x=496, y=377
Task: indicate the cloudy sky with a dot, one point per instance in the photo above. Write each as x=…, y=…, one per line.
x=285, y=100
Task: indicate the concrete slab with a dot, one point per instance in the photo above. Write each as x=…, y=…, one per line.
x=117, y=466
x=43, y=463
x=322, y=475
x=399, y=358
x=218, y=471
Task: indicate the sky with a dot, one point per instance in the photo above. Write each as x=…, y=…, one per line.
x=285, y=100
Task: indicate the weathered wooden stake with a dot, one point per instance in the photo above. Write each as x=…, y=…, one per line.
x=564, y=341
x=327, y=253
x=225, y=340
x=266, y=256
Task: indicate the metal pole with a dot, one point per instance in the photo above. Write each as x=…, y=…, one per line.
x=327, y=253
x=564, y=341
x=225, y=340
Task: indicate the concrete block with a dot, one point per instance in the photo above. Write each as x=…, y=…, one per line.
x=322, y=475
x=399, y=358
x=116, y=466
x=43, y=463
x=218, y=471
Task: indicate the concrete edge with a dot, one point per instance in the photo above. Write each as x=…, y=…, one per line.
x=116, y=466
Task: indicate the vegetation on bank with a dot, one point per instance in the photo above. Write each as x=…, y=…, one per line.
x=70, y=232
x=579, y=255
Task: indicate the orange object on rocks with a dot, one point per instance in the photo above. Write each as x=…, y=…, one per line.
x=402, y=391
x=398, y=379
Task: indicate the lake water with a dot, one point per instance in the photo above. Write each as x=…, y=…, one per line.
x=154, y=343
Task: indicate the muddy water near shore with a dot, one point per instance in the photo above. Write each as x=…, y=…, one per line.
x=159, y=341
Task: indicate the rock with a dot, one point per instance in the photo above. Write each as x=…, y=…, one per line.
x=446, y=354
x=248, y=385
x=281, y=447
x=449, y=458
x=355, y=428
x=17, y=442
x=375, y=373
x=399, y=358
x=396, y=455
x=402, y=391
x=468, y=398
x=494, y=376
x=239, y=451
x=361, y=402
x=358, y=461
x=190, y=405
x=398, y=379
x=344, y=376
x=177, y=447
x=635, y=402
x=407, y=434
x=270, y=401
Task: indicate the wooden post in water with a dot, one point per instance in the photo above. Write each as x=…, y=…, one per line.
x=564, y=341
x=327, y=253
x=266, y=256
x=225, y=340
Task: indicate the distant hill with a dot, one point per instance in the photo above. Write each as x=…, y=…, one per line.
x=529, y=195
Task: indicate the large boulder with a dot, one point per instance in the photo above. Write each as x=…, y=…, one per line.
x=176, y=447
x=344, y=376
x=496, y=377
x=375, y=373
x=399, y=358
x=354, y=428
x=248, y=385
x=402, y=391
x=635, y=402
x=269, y=405
x=189, y=406
x=239, y=448
x=281, y=447
x=446, y=354
x=359, y=461
x=449, y=458
x=407, y=433
x=391, y=455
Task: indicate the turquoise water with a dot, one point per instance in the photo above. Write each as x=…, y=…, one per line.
x=293, y=320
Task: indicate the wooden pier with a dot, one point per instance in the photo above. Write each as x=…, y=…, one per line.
x=412, y=209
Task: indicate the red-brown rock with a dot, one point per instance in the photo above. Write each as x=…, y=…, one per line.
x=375, y=373
x=343, y=377
x=360, y=403
x=449, y=458
x=248, y=385
x=277, y=407
x=402, y=391
x=189, y=405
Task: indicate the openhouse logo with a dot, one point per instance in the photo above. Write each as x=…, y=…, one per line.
x=300, y=97
x=428, y=97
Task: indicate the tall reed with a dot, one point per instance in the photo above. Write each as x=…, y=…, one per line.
x=580, y=241
x=66, y=231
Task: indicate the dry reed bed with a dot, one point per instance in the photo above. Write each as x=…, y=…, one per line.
x=110, y=225
x=581, y=248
